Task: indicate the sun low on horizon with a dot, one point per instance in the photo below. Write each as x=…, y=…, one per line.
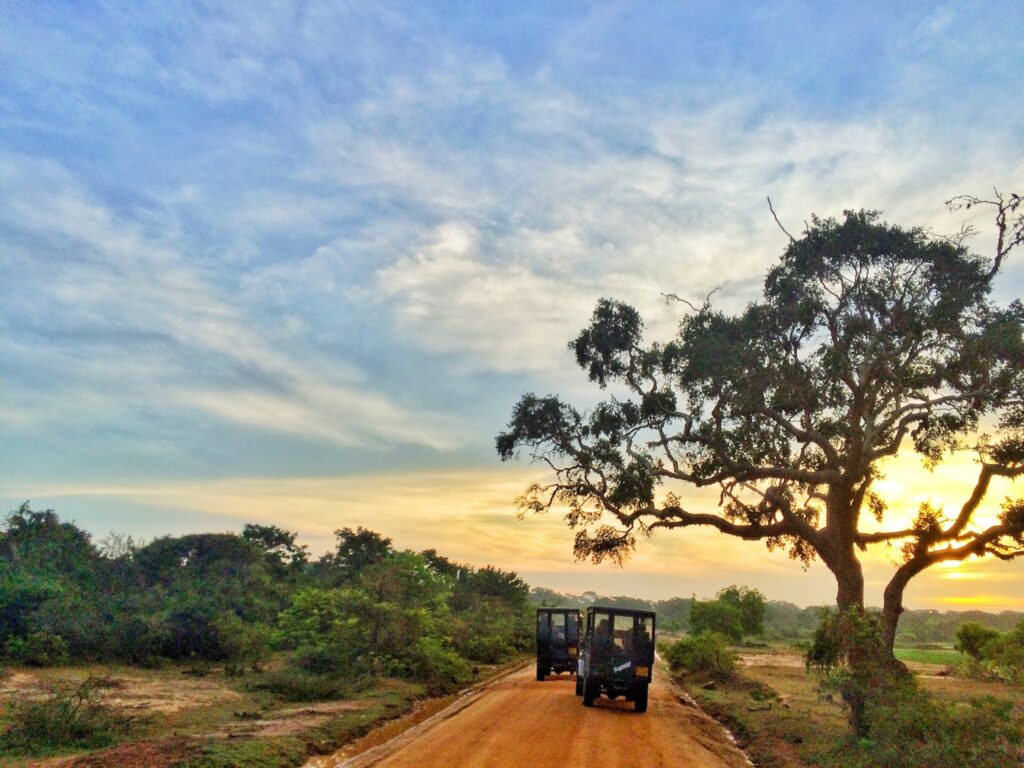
x=295, y=263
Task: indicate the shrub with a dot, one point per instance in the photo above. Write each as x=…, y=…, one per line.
x=488, y=649
x=244, y=644
x=910, y=728
x=39, y=649
x=138, y=641
x=705, y=652
x=972, y=637
x=718, y=616
x=298, y=685
x=66, y=718
x=441, y=669
x=1004, y=656
x=334, y=659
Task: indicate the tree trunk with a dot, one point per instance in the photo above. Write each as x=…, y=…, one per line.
x=892, y=607
x=850, y=585
x=850, y=599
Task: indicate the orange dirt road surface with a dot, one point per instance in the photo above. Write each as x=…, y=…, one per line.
x=517, y=722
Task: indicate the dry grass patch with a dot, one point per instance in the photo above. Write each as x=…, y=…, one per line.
x=774, y=708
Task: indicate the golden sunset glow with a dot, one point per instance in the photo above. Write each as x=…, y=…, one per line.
x=470, y=516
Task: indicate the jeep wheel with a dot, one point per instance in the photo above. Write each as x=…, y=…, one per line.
x=579, y=685
x=590, y=692
x=640, y=698
x=541, y=674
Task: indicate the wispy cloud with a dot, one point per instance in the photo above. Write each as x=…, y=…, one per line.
x=127, y=318
x=323, y=237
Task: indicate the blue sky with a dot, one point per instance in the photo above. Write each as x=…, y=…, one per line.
x=255, y=246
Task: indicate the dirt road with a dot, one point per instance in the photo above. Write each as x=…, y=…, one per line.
x=518, y=721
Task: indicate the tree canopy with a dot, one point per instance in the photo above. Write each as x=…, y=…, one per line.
x=868, y=340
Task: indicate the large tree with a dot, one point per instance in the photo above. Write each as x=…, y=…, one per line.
x=868, y=340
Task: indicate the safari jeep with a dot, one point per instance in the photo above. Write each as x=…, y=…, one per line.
x=558, y=639
x=617, y=656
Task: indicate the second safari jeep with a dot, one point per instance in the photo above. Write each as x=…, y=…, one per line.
x=558, y=640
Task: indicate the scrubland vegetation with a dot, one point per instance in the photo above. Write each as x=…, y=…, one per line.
x=252, y=653
x=251, y=615
x=787, y=704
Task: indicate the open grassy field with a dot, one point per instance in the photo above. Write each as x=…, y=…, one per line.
x=193, y=717
x=778, y=714
x=940, y=656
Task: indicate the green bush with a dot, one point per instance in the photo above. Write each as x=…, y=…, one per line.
x=255, y=753
x=972, y=637
x=245, y=645
x=440, y=669
x=488, y=649
x=39, y=649
x=909, y=728
x=704, y=653
x=1004, y=656
x=67, y=718
x=718, y=616
x=138, y=640
x=298, y=685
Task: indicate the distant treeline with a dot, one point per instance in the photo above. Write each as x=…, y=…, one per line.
x=362, y=609
x=786, y=621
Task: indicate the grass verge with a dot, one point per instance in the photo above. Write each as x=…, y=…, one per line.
x=181, y=717
x=777, y=714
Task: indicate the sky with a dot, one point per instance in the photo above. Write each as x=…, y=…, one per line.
x=294, y=262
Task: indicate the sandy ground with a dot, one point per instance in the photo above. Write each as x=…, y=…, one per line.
x=517, y=721
x=132, y=693
x=794, y=660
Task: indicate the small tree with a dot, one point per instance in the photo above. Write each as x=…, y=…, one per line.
x=356, y=551
x=972, y=637
x=868, y=340
x=279, y=546
x=750, y=604
x=716, y=616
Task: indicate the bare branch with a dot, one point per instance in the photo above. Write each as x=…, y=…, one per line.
x=1009, y=229
x=786, y=231
x=707, y=299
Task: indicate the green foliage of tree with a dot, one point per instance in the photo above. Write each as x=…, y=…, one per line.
x=751, y=605
x=354, y=552
x=1001, y=653
x=674, y=613
x=245, y=645
x=972, y=637
x=716, y=616
x=362, y=610
x=868, y=340
x=323, y=628
x=37, y=649
x=736, y=611
x=279, y=547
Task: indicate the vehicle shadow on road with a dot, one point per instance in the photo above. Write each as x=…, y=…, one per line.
x=620, y=707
